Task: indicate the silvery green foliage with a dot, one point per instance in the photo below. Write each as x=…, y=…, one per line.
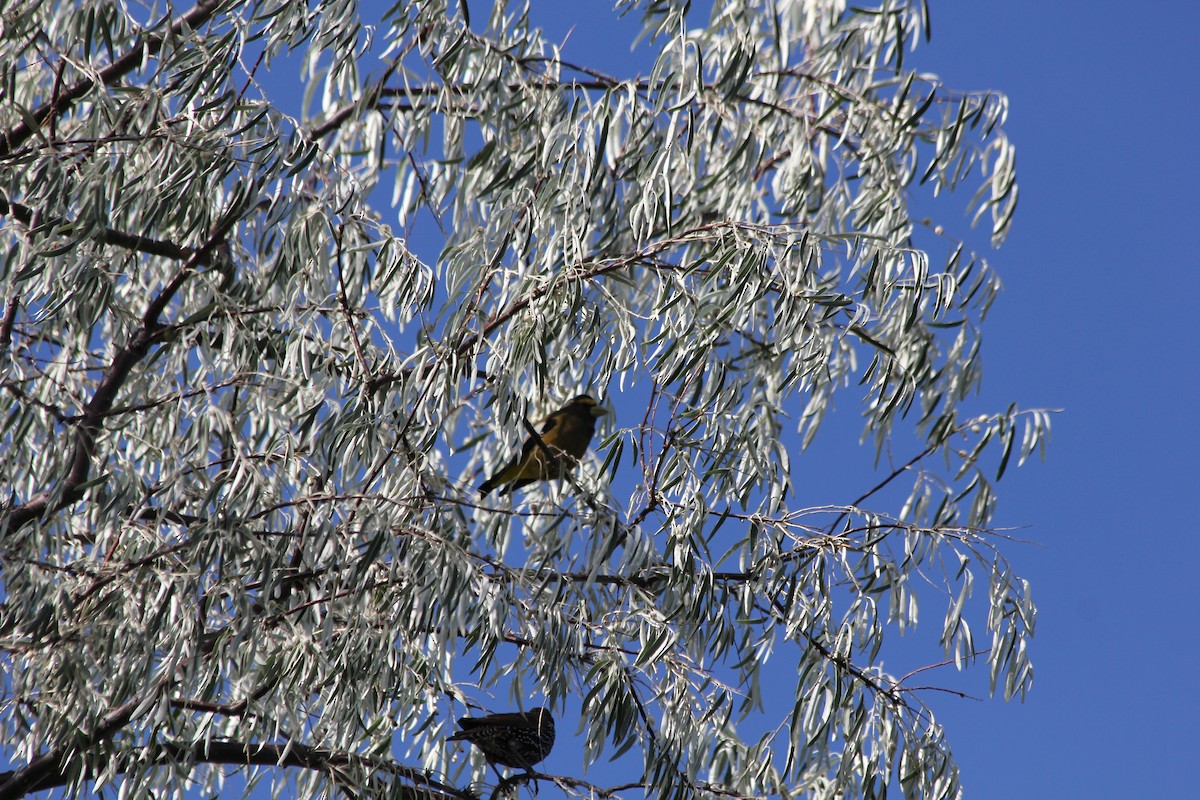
x=282, y=280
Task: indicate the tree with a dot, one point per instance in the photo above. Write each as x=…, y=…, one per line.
x=258, y=352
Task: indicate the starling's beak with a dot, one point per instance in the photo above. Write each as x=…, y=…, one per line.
x=597, y=411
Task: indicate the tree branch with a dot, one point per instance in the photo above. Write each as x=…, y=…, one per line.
x=141, y=244
x=64, y=98
x=6, y=324
x=71, y=488
x=52, y=774
x=50, y=769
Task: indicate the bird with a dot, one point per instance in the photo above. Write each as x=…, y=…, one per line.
x=515, y=739
x=564, y=440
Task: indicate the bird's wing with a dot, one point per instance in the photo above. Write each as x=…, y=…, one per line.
x=531, y=446
x=528, y=466
x=551, y=422
x=564, y=437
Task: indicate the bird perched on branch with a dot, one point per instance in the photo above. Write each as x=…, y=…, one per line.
x=557, y=448
x=515, y=739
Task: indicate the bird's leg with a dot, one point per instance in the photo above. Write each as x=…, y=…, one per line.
x=512, y=782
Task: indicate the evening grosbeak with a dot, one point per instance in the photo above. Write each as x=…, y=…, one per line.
x=564, y=440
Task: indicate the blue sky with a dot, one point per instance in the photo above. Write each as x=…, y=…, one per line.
x=1097, y=319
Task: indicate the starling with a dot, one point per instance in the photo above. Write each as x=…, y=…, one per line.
x=564, y=440
x=516, y=739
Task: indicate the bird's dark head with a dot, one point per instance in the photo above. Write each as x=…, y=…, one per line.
x=541, y=721
x=585, y=401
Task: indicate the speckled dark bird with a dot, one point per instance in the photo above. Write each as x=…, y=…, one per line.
x=515, y=739
x=565, y=438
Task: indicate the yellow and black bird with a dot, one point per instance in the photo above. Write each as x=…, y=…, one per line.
x=564, y=440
